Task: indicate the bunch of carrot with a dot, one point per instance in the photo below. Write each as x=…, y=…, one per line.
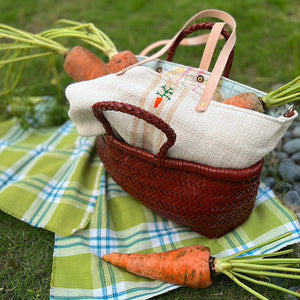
x=80, y=64
x=285, y=94
x=194, y=266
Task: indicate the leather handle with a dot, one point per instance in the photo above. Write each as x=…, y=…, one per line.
x=196, y=27
x=220, y=64
x=140, y=113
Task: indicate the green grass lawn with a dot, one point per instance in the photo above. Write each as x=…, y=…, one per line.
x=267, y=53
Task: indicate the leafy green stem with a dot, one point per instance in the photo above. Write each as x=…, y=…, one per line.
x=267, y=284
x=244, y=286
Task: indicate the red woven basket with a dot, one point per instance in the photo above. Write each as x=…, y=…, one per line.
x=211, y=201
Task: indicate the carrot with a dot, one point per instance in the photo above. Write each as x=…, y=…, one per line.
x=81, y=64
x=17, y=47
x=286, y=94
x=120, y=61
x=176, y=266
x=246, y=101
x=194, y=266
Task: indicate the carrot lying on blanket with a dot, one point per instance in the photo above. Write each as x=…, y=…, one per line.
x=194, y=266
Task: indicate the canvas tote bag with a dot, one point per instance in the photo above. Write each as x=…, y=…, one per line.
x=207, y=131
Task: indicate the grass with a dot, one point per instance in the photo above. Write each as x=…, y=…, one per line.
x=266, y=54
x=25, y=260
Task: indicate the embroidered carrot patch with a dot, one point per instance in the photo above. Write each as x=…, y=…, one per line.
x=157, y=102
x=164, y=93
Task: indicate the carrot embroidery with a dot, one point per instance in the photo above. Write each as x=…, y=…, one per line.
x=165, y=92
x=157, y=102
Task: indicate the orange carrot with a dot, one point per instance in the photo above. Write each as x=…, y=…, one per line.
x=246, y=101
x=185, y=266
x=81, y=64
x=194, y=266
x=285, y=94
x=120, y=61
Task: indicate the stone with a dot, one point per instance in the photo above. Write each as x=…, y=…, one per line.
x=296, y=187
x=283, y=187
x=281, y=154
x=292, y=198
x=292, y=146
x=296, y=132
x=289, y=171
x=287, y=136
x=269, y=182
x=296, y=156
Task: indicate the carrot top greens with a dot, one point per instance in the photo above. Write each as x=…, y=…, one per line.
x=290, y=92
x=18, y=47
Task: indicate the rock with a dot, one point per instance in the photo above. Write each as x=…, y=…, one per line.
x=292, y=198
x=296, y=156
x=292, y=146
x=296, y=132
x=295, y=124
x=281, y=154
x=297, y=187
x=283, y=187
x=269, y=182
x=288, y=170
x=287, y=136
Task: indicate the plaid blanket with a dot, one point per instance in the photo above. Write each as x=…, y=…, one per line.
x=66, y=189
x=53, y=171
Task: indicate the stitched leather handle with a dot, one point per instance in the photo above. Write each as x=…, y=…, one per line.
x=196, y=27
x=140, y=113
x=220, y=64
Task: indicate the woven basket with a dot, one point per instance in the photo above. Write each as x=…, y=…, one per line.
x=211, y=201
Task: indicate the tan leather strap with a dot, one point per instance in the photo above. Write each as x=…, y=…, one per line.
x=193, y=41
x=220, y=63
x=211, y=46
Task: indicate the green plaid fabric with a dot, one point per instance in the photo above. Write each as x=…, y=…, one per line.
x=47, y=176
x=53, y=179
x=121, y=224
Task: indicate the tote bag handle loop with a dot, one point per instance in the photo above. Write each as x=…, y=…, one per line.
x=220, y=63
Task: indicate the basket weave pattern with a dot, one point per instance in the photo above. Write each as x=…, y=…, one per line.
x=211, y=201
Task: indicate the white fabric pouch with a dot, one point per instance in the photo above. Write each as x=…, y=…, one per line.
x=207, y=131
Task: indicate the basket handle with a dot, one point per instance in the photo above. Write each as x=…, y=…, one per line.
x=192, y=41
x=218, y=32
x=220, y=64
x=211, y=40
x=140, y=113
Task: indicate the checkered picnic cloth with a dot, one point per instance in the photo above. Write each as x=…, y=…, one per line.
x=121, y=224
x=48, y=177
x=54, y=179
